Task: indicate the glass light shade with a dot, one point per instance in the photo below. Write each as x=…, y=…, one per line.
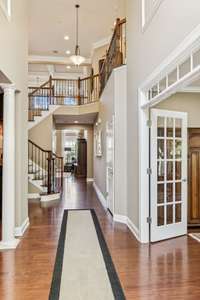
x=77, y=59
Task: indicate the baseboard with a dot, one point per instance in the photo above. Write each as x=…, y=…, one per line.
x=125, y=220
x=90, y=179
x=100, y=195
x=133, y=229
x=34, y=196
x=120, y=219
x=19, y=231
x=52, y=197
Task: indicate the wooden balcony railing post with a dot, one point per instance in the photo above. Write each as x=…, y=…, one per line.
x=49, y=172
x=50, y=92
x=79, y=91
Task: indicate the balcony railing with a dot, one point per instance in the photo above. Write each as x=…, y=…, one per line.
x=62, y=92
x=116, y=54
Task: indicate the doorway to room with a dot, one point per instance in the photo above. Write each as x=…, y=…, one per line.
x=74, y=147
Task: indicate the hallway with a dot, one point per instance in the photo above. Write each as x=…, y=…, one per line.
x=168, y=268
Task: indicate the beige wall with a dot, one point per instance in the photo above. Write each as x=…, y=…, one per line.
x=13, y=63
x=42, y=133
x=185, y=102
x=98, y=54
x=90, y=148
x=173, y=21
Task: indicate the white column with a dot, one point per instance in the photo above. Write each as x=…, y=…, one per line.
x=8, y=203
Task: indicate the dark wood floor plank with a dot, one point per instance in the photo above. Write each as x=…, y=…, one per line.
x=167, y=270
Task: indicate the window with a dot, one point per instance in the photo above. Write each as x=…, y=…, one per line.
x=149, y=8
x=6, y=7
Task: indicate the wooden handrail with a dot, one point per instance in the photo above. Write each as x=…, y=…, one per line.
x=46, y=166
x=115, y=55
x=40, y=87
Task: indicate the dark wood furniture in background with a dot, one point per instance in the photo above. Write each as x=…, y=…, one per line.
x=194, y=176
x=81, y=168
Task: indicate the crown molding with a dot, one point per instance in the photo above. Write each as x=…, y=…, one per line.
x=101, y=43
x=56, y=60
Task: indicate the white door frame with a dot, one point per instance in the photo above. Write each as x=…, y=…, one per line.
x=186, y=50
x=113, y=168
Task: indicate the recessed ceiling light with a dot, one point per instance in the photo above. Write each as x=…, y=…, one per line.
x=68, y=67
x=66, y=38
x=76, y=122
x=68, y=52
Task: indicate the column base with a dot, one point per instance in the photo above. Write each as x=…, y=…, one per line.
x=9, y=245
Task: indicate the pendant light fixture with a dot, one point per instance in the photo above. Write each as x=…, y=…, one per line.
x=77, y=59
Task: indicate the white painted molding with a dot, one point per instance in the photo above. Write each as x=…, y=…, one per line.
x=90, y=179
x=52, y=197
x=191, y=89
x=194, y=237
x=100, y=196
x=33, y=196
x=146, y=20
x=133, y=229
x=19, y=231
x=101, y=43
x=125, y=220
x=10, y=245
x=60, y=60
x=6, y=8
x=120, y=219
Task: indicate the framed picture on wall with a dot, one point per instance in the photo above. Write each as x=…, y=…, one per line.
x=98, y=143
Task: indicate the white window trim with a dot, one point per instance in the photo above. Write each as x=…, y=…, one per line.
x=147, y=21
x=6, y=10
x=185, y=49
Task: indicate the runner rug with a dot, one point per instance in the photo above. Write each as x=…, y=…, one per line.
x=83, y=269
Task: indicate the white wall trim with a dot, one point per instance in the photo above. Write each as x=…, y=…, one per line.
x=33, y=196
x=52, y=197
x=191, y=89
x=180, y=53
x=125, y=220
x=6, y=10
x=146, y=21
x=90, y=179
x=100, y=195
x=19, y=231
x=185, y=49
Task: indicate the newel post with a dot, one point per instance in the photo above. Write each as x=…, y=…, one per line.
x=49, y=172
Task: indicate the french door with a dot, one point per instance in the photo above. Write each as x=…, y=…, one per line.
x=169, y=174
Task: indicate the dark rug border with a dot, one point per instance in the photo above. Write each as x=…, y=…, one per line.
x=57, y=273
x=112, y=274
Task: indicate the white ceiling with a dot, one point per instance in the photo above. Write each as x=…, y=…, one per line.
x=50, y=21
x=71, y=119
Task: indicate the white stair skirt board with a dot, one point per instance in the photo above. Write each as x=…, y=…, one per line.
x=90, y=179
x=45, y=114
x=52, y=197
x=34, y=196
x=9, y=245
x=19, y=231
x=100, y=195
x=125, y=220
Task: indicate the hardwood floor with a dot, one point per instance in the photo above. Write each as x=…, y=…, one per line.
x=169, y=269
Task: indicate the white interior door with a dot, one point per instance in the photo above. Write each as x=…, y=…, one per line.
x=169, y=174
x=110, y=165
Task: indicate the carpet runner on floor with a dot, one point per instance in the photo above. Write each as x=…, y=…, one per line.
x=83, y=269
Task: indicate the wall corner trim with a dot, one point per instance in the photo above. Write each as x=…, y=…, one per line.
x=90, y=179
x=100, y=195
x=125, y=220
x=19, y=231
